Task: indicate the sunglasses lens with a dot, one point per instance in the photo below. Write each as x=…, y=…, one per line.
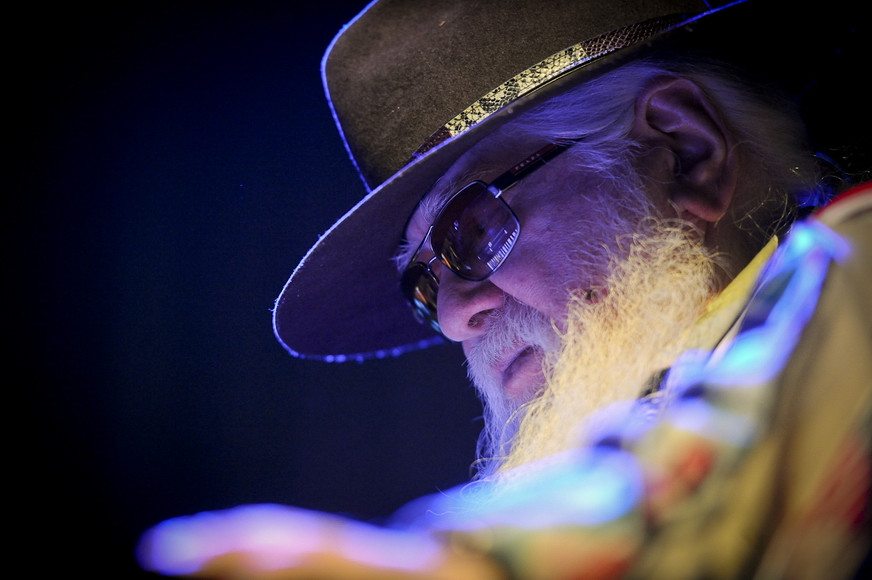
x=420, y=288
x=475, y=232
x=472, y=236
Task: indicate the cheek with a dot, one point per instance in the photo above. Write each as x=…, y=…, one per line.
x=553, y=258
x=566, y=244
x=537, y=274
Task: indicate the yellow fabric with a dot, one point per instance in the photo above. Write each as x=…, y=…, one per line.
x=723, y=311
x=761, y=468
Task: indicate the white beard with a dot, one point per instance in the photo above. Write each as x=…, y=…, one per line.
x=512, y=325
x=613, y=345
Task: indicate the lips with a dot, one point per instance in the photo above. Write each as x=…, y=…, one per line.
x=522, y=376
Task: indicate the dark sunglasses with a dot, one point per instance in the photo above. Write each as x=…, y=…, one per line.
x=472, y=235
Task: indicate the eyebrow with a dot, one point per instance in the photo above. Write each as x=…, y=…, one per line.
x=430, y=205
x=435, y=199
x=443, y=190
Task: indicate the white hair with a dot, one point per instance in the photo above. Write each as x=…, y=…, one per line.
x=763, y=121
x=599, y=115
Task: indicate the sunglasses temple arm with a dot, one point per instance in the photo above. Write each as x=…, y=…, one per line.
x=528, y=165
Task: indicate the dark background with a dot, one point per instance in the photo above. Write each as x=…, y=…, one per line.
x=170, y=162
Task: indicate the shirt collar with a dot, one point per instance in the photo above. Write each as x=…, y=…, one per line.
x=722, y=312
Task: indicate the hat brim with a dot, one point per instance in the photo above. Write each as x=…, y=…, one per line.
x=343, y=302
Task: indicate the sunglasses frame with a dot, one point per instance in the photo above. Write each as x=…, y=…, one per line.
x=419, y=272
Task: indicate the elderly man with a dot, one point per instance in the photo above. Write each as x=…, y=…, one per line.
x=600, y=203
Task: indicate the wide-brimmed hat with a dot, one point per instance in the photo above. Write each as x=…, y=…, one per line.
x=413, y=84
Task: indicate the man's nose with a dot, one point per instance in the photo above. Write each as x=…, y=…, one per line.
x=463, y=306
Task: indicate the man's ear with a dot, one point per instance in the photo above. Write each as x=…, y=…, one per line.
x=676, y=115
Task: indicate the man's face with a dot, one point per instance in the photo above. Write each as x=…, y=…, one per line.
x=508, y=323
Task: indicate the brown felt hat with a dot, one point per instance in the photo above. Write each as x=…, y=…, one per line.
x=413, y=84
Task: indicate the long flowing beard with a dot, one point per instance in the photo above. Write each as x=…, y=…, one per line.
x=613, y=344
x=512, y=325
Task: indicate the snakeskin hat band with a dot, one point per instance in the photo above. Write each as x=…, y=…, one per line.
x=413, y=84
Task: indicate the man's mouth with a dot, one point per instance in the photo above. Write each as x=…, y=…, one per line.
x=522, y=376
